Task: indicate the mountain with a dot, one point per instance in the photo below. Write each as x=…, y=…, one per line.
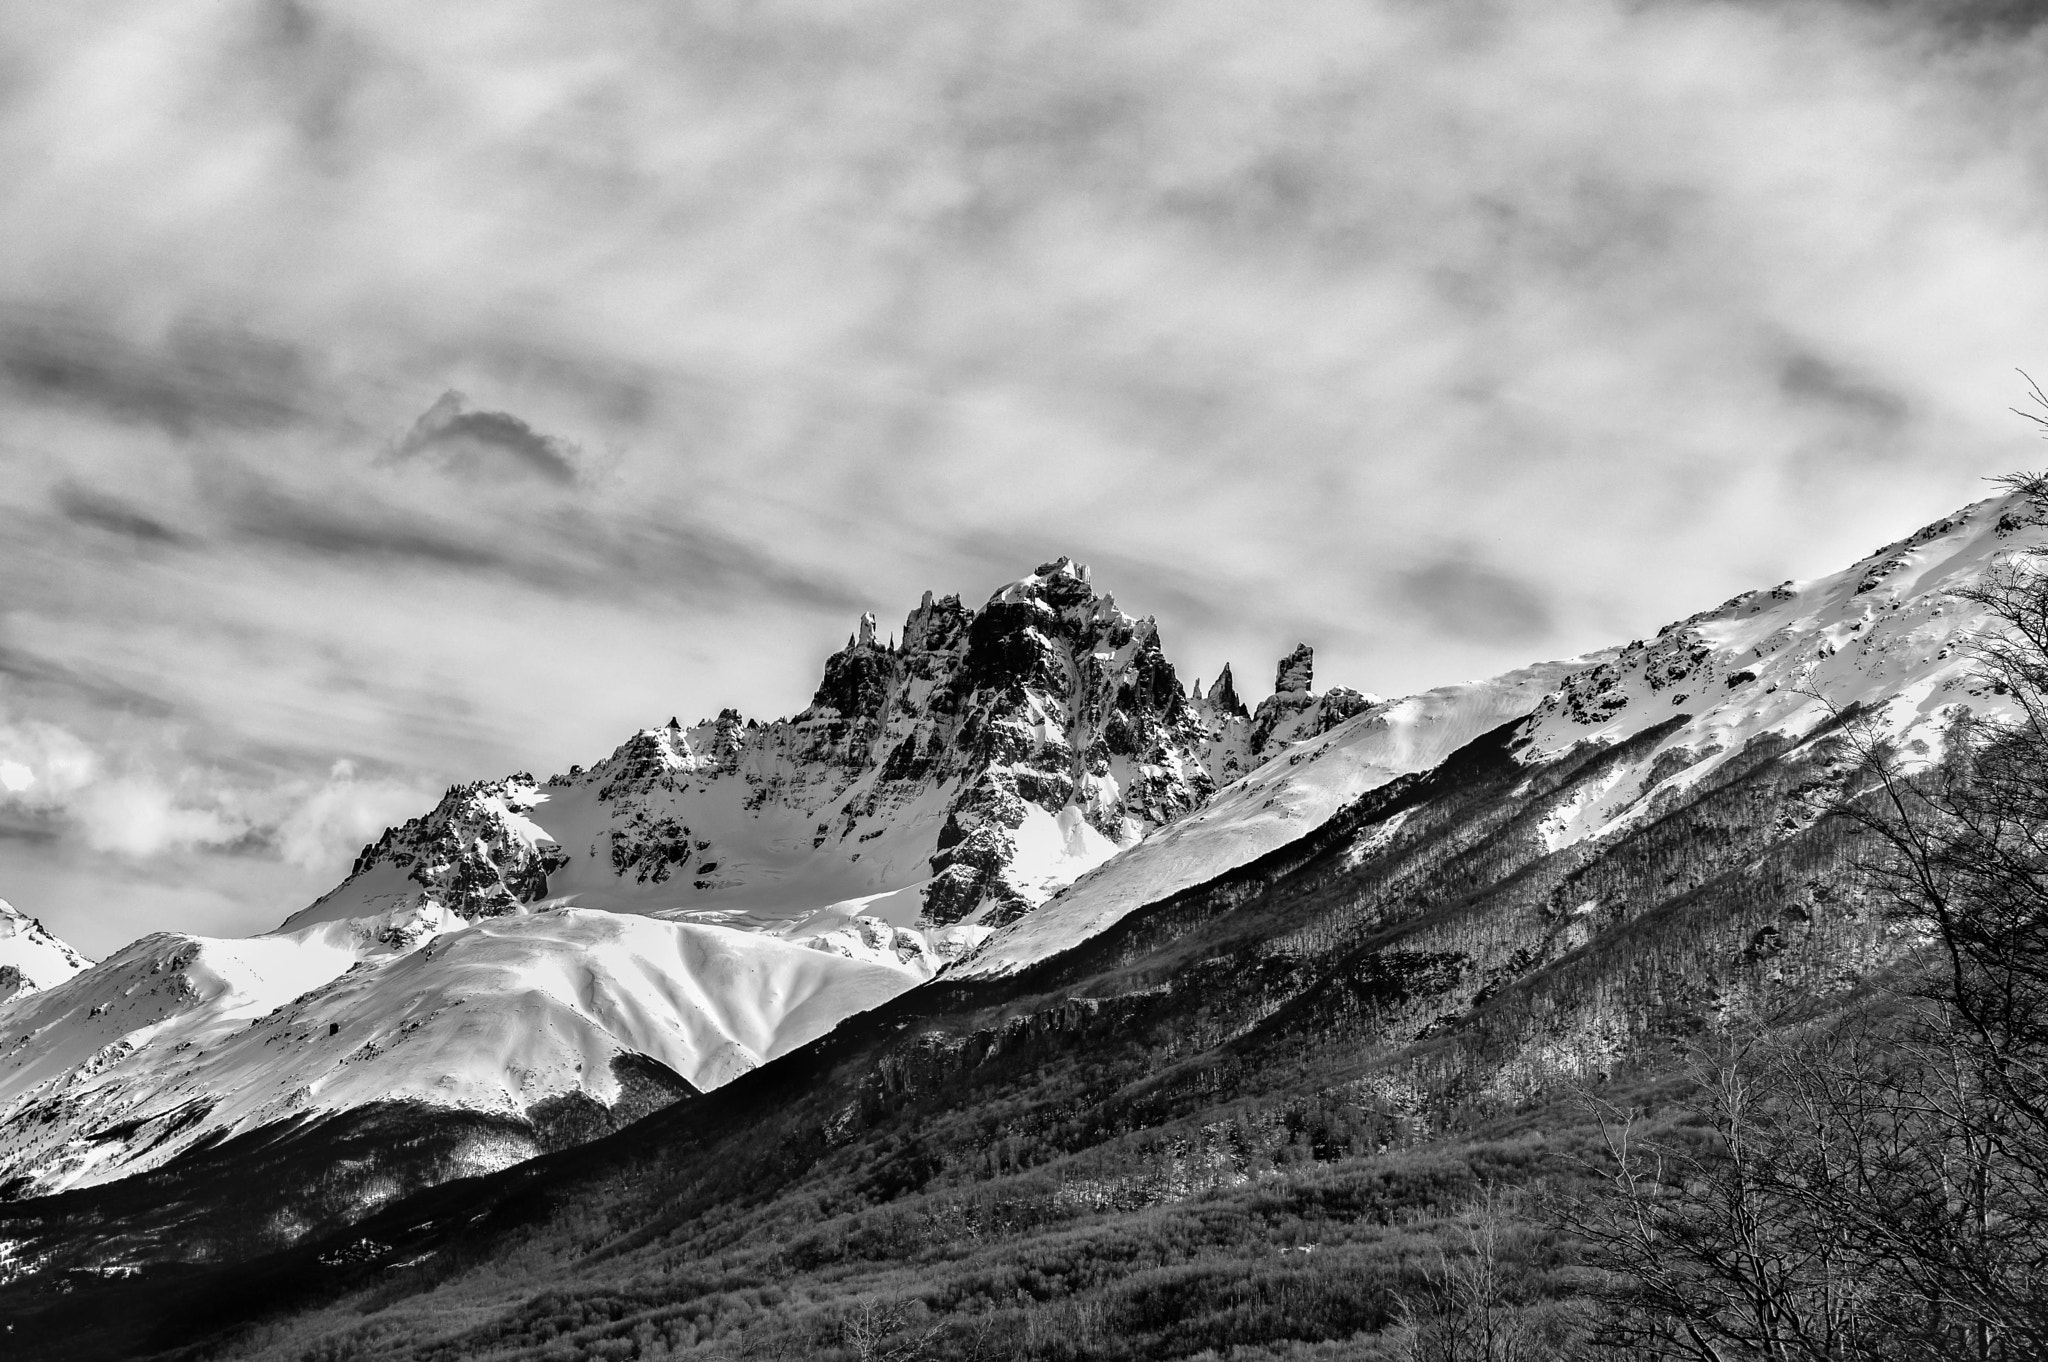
x=946, y=784
x=1223, y=1093
x=1885, y=637
x=31, y=958
x=533, y=963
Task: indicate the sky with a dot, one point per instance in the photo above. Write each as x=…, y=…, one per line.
x=396, y=395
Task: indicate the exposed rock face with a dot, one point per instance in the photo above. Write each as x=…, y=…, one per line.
x=1291, y=714
x=1296, y=671
x=475, y=852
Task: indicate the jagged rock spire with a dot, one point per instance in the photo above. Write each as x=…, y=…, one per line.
x=1223, y=695
x=1296, y=673
x=867, y=629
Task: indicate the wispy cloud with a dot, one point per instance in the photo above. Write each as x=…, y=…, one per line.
x=363, y=527
x=114, y=515
x=197, y=377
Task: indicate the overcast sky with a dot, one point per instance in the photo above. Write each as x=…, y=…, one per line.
x=398, y=394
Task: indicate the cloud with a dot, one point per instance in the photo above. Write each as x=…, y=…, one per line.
x=192, y=379
x=1469, y=600
x=115, y=516
x=42, y=764
x=342, y=813
x=136, y=815
x=564, y=550
x=680, y=558
x=358, y=527
x=45, y=678
x=145, y=805
x=115, y=806
x=1811, y=379
x=486, y=444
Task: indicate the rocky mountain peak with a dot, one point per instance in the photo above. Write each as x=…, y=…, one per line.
x=978, y=766
x=1296, y=672
x=1223, y=698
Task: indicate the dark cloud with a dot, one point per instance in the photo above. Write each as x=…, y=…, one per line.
x=34, y=672
x=197, y=378
x=1471, y=601
x=1973, y=18
x=567, y=552
x=367, y=530
x=486, y=443
x=27, y=825
x=102, y=512
x=1811, y=379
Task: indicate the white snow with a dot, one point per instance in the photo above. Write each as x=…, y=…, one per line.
x=494, y=1017
x=37, y=959
x=1886, y=633
x=1273, y=805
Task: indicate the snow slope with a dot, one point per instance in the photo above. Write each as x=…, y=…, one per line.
x=180, y=1039
x=1886, y=635
x=31, y=958
x=1278, y=802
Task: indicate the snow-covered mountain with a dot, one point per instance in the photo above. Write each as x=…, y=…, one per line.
x=996, y=787
x=531, y=952
x=176, y=1041
x=1886, y=636
x=31, y=958
x=946, y=784
x=691, y=906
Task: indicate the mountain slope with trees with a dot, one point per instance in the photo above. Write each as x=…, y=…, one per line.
x=1291, y=1111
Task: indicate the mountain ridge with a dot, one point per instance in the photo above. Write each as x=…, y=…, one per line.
x=701, y=899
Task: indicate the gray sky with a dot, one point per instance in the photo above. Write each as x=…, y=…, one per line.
x=396, y=394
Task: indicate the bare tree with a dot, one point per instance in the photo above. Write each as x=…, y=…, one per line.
x=877, y=1330
x=1964, y=860
x=1471, y=1304
x=1709, y=1252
